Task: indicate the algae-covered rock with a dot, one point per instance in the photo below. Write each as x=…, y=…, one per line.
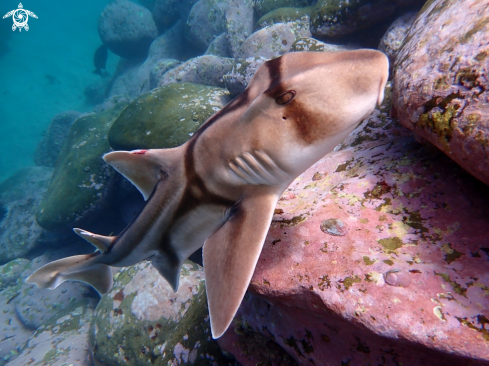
x=81, y=177
x=205, y=70
x=61, y=340
x=285, y=15
x=239, y=18
x=166, y=117
x=335, y=18
x=219, y=46
x=263, y=7
x=273, y=41
x=19, y=197
x=159, y=69
x=11, y=271
x=240, y=75
x=313, y=45
x=142, y=321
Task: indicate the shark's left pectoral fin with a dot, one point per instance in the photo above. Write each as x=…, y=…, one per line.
x=231, y=254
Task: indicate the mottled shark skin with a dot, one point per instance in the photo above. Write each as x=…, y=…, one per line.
x=220, y=188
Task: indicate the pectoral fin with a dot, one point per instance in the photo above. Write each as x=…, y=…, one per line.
x=230, y=257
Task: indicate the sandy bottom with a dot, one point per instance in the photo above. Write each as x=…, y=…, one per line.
x=59, y=44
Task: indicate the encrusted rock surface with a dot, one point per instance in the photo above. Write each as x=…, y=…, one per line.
x=219, y=46
x=141, y=320
x=166, y=117
x=11, y=271
x=285, y=15
x=159, y=69
x=313, y=45
x=441, y=88
x=47, y=150
x=81, y=178
x=127, y=29
x=61, y=340
x=394, y=36
x=19, y=197
x=404, y=278
x=240, y=75
x=273, y=41
x=239, y=23
x=204, y=70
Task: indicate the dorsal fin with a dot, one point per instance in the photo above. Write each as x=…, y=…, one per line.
x=100, y=242
x=141, y=167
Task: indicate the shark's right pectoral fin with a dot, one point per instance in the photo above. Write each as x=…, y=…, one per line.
x=230, y=257
x=76, y=268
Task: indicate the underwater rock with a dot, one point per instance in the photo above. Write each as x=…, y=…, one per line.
x=96, y=91
x=81, y=178
x=313, y=45
x=205, y=22
x=61, y=340
x=13, y=334
x=441, y=81
x=393, y=38
x=170, y=45
x=239, y=21
x=141, y=320
x=273, y=41
x=263, y=7
x=285, y=15
x=204, y=70
x=10, y=272
x=129, y=81
x=167, y=12
x=19, y=197
x=127, y=29
x=323, y=298
x=34, y=306
x=47, y=150
x=240, y=75
x=335, y=18
x=219, y=46
x=159, y=68
x=166, y=117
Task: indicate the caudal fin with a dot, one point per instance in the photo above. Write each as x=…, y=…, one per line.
x=76, y=268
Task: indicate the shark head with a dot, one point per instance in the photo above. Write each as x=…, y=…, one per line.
x=306, y=104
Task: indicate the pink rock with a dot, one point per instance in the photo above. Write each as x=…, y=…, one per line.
x=324, y=299
x=441, y=81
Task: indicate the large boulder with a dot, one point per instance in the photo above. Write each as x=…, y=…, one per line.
x=168, y=12
x=273, y=41
x=81, y=178
x=47, y=150
x=204, y=70
x=336, y=18
x=441, y=88
x=205, y=22
x=263, y=7
x=285, y=15
x=20, y=195
x=127, y=29
x=241, y=74
x=142, y=321
x=239, y=22
x=375, y=255
x=166, y=117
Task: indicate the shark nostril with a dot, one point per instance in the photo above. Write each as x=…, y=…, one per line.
x=284, y=118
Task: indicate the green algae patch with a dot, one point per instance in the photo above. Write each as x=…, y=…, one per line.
x=391, y=244
x=368, y=261
x=263, y=7
x=284, y=15
x=451, y=254
x=166, y=117
x=349, y=281
x=482, y=320
x=80, y=179
x=456, y=287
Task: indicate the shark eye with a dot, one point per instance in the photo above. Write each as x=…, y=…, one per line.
x=285, y=98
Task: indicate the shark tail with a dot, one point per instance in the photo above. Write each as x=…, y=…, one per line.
x=76, y=268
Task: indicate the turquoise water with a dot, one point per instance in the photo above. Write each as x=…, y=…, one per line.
x=60, y=43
